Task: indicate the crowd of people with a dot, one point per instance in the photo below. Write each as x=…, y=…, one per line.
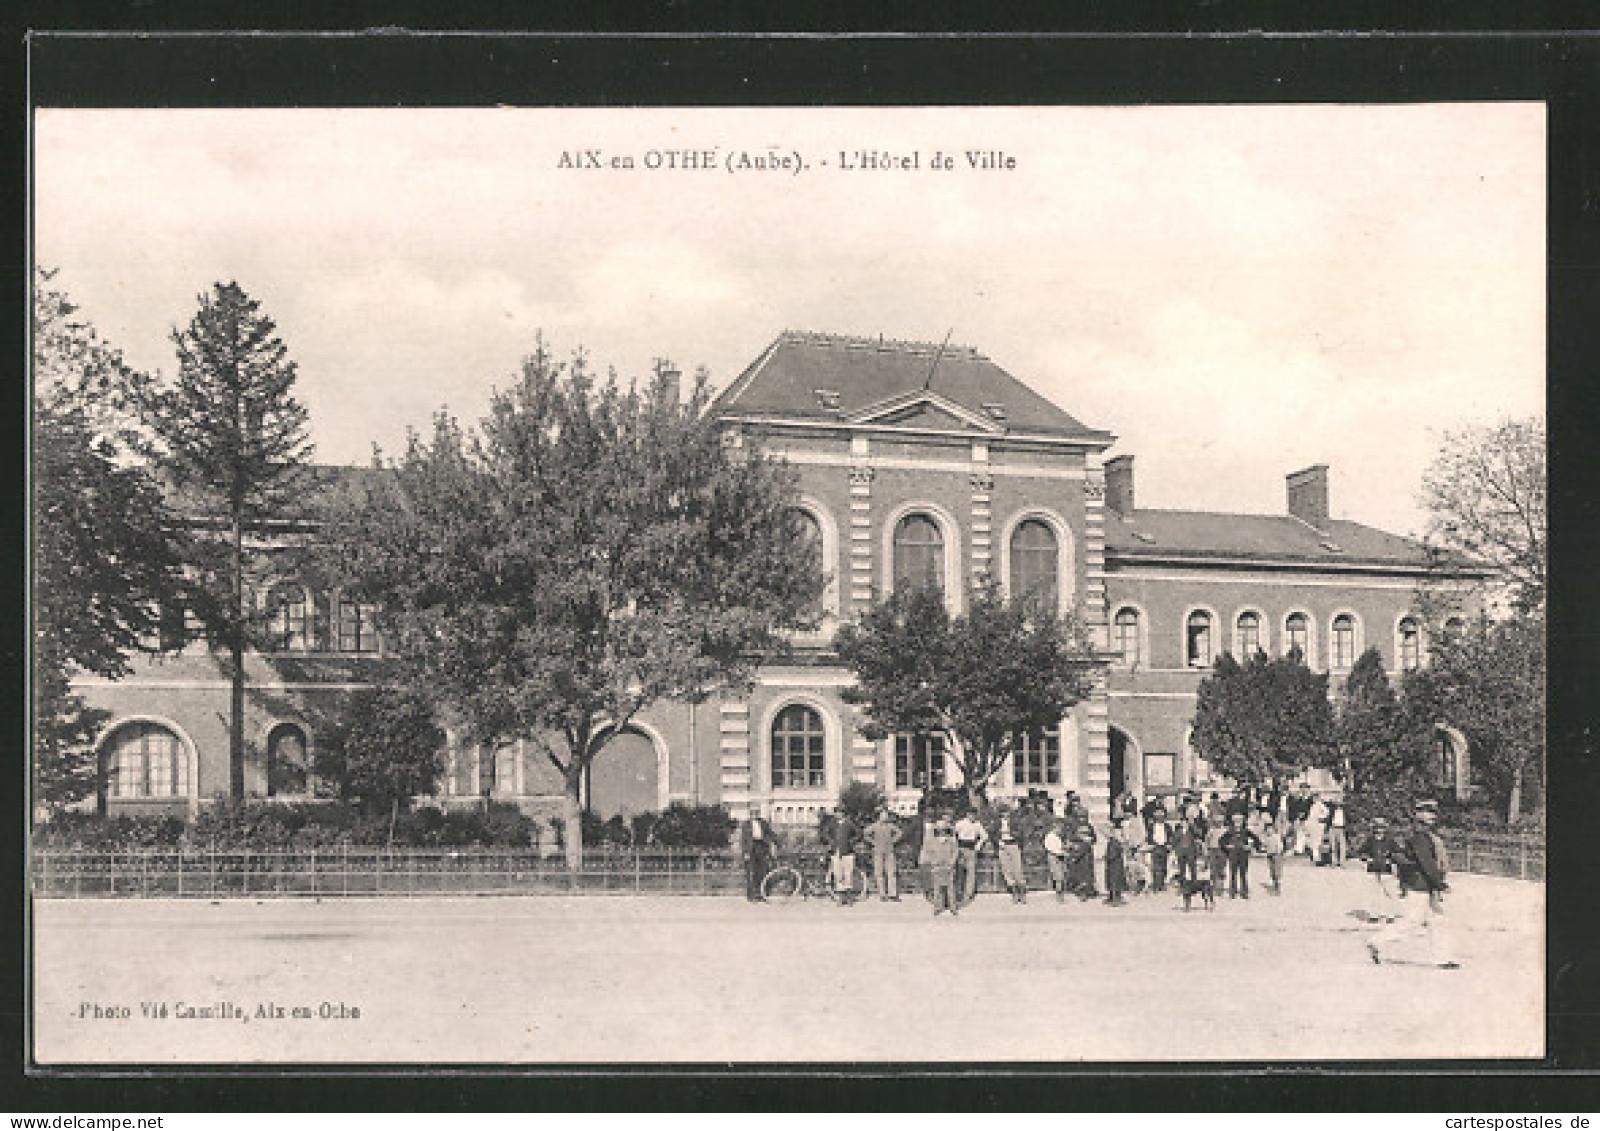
x=1199, y=847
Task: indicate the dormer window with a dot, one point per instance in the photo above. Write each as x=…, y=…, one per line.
x=997, y=411
x=827, y=398
x=1331, y=546
x=1149, y=539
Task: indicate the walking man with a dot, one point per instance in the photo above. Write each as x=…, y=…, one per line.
x=884, y=834
x=756, y=851
x=1422, y=870
x=970, y=837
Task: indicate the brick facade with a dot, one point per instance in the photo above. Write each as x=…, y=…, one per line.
x=880, y=432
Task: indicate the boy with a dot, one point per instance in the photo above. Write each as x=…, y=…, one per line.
x=1272, y=848
x=1011, y=860
x=1216, y=857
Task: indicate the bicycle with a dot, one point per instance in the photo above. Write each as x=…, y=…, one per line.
x=806, y=881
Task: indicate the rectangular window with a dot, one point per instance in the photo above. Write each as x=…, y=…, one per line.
x=357, y=633
x=1037, y=759
x=1160, y=771
x=919, y=761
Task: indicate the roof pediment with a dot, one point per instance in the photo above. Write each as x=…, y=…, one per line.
x=925, y=408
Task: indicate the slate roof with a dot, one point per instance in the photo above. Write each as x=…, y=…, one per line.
x=1154, y=534
x=865, y=372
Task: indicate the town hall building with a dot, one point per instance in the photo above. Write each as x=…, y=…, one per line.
x=918, y=464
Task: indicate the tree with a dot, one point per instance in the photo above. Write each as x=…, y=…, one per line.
x=1385, y=748
x=1487, y=680
x=106, y=551
x=1264, y=720
x=232, y=439
x=589, y=551
x=981, y=680
x=380, y=747
x=1486, y=494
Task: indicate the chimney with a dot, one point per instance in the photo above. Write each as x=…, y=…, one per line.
x=668, y=379
x=1308, y=495
x=1119, y=484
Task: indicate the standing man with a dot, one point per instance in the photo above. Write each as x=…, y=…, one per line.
x=939, y=860
x=970, y=837
x=1159, y=835
x=1338, y=846
x=1080, y=852
x=756, y=852
x=1055, y=855
x=1422, y=870
x=1299, y=809
x=844, y=857
x=1116, y=866
x=1238, y=842
x=1272, y=849
x=1010, y=850
x=884, y=834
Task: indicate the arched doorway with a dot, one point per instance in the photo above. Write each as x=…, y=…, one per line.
x=624, y=777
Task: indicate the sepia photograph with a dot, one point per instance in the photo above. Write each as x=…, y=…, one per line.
x=754, y=585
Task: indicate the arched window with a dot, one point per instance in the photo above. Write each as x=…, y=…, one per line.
x=147, y=760
x=1037, y=758
x=1035, y=562
x=1410, y=648
x=919, y=761
x=918, y=553
x=1125, y=635
x=288, y=767
x=1247, y=635
x=1197, y=639
x=288, y=619
x=1446, y=749
x=1297, y=636
x=808, y=544
x=799, y=749
x=358, y=631
x=1344, y=642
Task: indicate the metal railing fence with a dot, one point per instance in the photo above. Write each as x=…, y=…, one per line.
x=363, y=871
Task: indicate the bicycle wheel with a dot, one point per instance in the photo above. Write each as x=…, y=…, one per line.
x=782, y=884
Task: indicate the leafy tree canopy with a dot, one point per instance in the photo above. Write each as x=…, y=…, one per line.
x=589, y=550
x=1488, y=681
x=1386, y=746
x=1264, y=720
x=1486, y=494
x=983, y=679
x=106, y=551
x=380, y=747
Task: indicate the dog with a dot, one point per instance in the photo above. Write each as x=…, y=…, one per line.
x=1202, y=888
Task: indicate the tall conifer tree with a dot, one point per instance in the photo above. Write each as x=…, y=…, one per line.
x=232, y=439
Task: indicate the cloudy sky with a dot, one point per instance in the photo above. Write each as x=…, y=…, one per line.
x=1235, y=292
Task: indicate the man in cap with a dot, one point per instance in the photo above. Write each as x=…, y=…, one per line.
x=1421, y=869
